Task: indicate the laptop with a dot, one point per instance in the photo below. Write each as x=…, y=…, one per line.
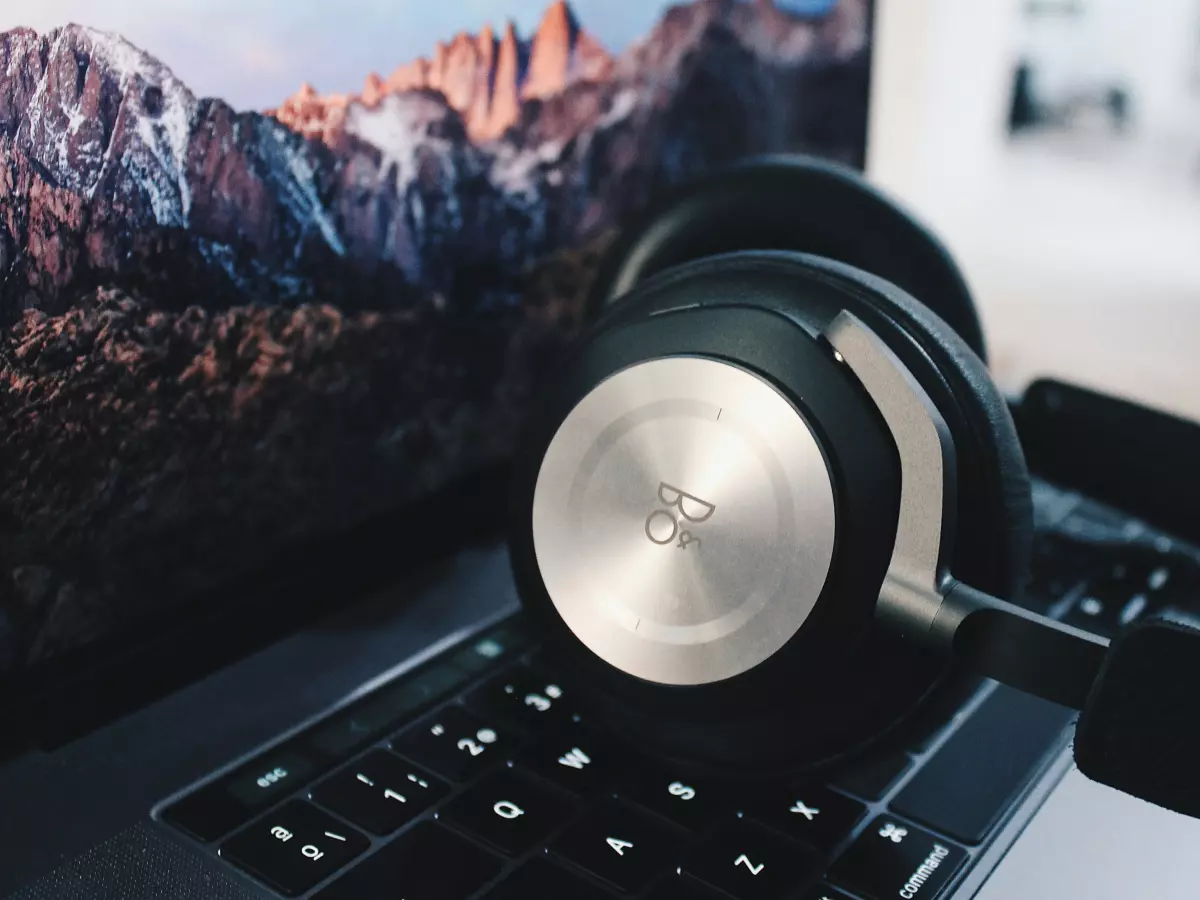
x=279, y=286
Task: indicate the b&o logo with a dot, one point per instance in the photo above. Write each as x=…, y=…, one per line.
x=664, y=525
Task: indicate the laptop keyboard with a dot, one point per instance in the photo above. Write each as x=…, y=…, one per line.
x=475, y=777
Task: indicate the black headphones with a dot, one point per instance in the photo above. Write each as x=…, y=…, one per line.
x=774, y=497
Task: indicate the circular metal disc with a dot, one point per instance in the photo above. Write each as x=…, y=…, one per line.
x=684, y=520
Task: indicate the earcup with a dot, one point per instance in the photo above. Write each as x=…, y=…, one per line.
x=995, y=516
x=792, y=203
x=881, y=681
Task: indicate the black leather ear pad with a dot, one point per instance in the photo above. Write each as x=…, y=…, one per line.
x=792, y=203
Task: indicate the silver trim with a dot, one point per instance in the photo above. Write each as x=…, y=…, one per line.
x=684, y=520
x=911, y=594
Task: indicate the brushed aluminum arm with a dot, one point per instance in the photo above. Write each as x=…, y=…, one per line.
x=919, y=599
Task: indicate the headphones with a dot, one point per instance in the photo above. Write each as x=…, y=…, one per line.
x=774, y=498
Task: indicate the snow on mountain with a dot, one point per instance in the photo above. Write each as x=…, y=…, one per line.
x=100, y=104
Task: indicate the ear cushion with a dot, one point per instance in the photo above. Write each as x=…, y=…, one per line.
x=994, y=525
x=792, y=203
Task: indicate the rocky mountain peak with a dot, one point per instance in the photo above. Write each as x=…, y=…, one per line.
x=562, y=52
x=487, y=79
x=89, y=101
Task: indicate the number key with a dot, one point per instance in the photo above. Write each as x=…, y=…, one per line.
x=750, y=863
x=454, y=744
x=379, y=792
x=524, y=695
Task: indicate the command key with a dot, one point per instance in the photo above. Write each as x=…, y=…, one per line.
x=896, y=859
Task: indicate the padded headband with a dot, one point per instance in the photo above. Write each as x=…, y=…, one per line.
x=792, y=203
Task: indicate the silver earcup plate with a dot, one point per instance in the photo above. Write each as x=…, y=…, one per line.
x=684, y=520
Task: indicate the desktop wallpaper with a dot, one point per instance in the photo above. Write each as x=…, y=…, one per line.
x=268, y=269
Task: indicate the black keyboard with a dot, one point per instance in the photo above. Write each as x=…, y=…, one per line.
x=476, y=776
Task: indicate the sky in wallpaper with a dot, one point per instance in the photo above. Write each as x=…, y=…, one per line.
x=253, y=53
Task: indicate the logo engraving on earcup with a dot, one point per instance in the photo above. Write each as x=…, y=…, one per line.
x=662, y=527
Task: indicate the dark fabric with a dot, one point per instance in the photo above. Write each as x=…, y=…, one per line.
x=1140, y=729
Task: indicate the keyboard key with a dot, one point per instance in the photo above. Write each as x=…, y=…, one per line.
x=426, y=863
x=575, y=759
x=893, y=858
x=523, y=695
x=379, y=792
x=825, y=892
x=507, y=811
x=454, y=744
x=539, y=880
x=751, y=863
x=295, y=847
x=619, y=846
x=231, y=801
x=870, y=778
x=688, y=802
x=817, y=816
x=988, y=760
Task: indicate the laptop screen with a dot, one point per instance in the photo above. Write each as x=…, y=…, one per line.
x=273, y=268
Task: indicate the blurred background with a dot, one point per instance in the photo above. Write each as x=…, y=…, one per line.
x=1055, y=145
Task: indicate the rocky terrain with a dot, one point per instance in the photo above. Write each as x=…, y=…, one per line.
x=221, y=330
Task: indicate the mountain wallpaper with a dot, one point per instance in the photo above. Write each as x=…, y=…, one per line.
x=222, y=330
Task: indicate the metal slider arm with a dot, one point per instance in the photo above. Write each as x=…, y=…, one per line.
x=1029, y=652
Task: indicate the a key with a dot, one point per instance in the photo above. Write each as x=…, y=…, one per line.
x=539, y=880
x=454, y=744
x=893, y=857
x=507, y=811
x=425, y=863
x=526, y=696
x=689, y=802
x=815, y=815
x=575, y=759
x=751, y=863
x=379, y=792
x=294, y=848
x=620, y=846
